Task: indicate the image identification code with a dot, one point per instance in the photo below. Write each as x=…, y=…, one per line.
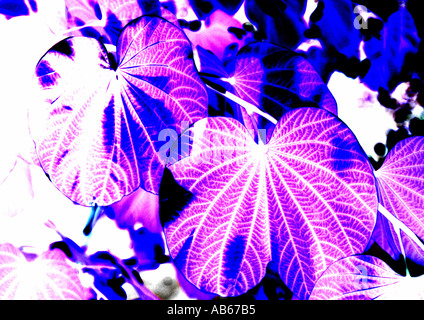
x=219, y=309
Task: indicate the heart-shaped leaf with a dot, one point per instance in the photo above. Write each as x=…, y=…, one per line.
x=304, y=200
x=99, y=131
x=48, y=277
x=366, y=278
x=400, y=181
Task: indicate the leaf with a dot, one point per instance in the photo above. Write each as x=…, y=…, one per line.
x=400, y=183
x=99, y=132
x=48, y=277
x=279, y=80
x=105, y=19
x=304, y=200
x=389, y=55
x=275, y=78
x=366, y=278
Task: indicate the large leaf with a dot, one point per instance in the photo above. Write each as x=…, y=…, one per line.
x=400, y=182
x=366, y=278
x=98, y=132
x=304, y=200
x=49, y=277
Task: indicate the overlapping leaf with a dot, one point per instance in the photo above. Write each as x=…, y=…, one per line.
x=400, y=184
x=48, y=277
x=366, y=278
x=275, y=78
x=98, y=132
x=304, y=200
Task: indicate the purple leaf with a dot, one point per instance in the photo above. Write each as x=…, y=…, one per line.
x=400, y=183
x=279, y=80
x=15, y=8
x=98, y=133
x=365, y=278
x=275, y=78
x=49, y=277
x=304, y=200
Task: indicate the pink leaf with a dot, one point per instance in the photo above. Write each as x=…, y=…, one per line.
x=98, y=134
x=48, y=277
x=304, y=200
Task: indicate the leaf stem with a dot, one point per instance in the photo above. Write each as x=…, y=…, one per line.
x=250, y=108
x=400, y=225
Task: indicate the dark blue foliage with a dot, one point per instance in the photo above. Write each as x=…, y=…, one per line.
x=332, y=23
x=392, y=53
x=13, y=8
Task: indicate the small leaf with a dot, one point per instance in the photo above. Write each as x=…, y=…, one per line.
x=275, y=78
x=48, y=277
x=304, y=200
x=99, y=132
x=366, y=278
